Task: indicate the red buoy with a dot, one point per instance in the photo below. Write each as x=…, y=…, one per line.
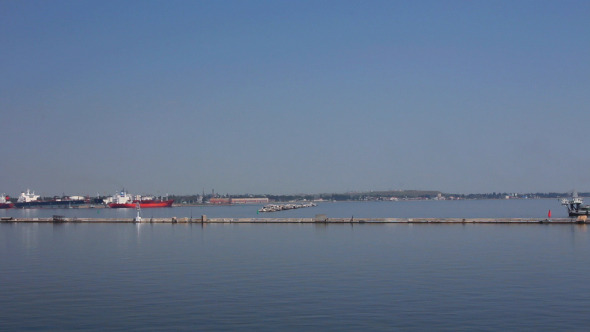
x=549, y=214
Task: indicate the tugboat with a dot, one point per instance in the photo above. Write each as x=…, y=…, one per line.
x=5, y=202
x=575, y=206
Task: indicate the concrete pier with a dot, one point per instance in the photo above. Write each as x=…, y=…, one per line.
x=315, y=220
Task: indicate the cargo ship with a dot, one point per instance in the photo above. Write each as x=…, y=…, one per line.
x=123, y=200
x=5, y=202
x=575, y=206
x=29, y=200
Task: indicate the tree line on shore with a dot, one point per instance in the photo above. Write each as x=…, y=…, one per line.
x=376, y=195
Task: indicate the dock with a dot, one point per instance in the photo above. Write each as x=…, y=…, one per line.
x=319, y=219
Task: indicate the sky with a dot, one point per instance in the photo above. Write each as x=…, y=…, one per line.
x=283, y=97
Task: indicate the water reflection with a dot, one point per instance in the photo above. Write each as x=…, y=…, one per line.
x=138, y=227
x=328, y=277
x=30, y=237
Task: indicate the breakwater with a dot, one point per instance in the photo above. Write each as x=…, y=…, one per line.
x=318, y=219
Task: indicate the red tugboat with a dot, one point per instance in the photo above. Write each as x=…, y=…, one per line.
x=124, y=200
x=5, y=202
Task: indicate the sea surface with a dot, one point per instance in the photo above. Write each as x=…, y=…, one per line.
x=294, y=277
x=516, y=208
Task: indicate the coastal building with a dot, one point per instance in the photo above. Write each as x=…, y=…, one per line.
x=219, y=200
x=250, y=200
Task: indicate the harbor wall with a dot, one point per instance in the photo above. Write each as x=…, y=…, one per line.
x=320, y=220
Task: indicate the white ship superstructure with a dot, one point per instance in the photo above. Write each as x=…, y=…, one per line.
x=28, y=197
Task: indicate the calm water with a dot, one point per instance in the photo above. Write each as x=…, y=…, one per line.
x=532, y=208
x=272, y=277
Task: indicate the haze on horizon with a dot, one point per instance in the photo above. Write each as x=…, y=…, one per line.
x=294, y=96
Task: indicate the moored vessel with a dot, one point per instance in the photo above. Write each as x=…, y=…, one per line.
x=5, y=202
x=30, y=200
x=123, y=200
x=575, y=206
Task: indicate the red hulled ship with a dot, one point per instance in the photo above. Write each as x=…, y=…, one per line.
x=5, y=202
x=124, y=200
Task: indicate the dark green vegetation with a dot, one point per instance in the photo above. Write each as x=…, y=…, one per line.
x=356, y=196
x=374, y=196
x=512, y=195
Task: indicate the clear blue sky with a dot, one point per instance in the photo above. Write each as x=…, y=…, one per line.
x=294, y=96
